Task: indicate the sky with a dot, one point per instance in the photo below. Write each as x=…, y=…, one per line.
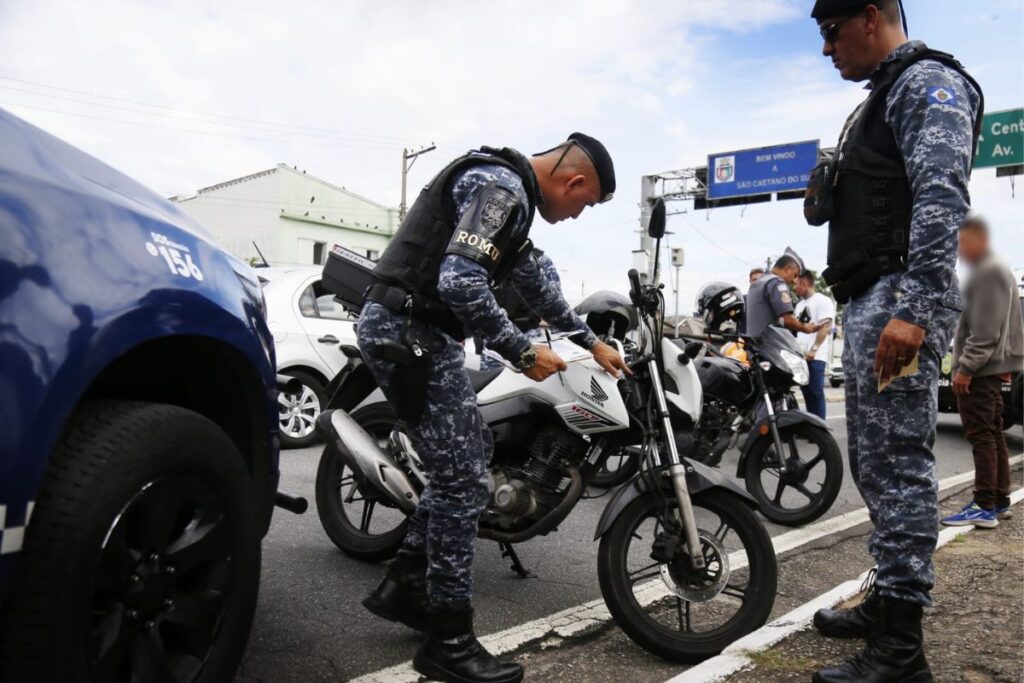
x=187, y=94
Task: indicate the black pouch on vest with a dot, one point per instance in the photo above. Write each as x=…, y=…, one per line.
x=348, y=276
x=854, y=273
x=819, y=202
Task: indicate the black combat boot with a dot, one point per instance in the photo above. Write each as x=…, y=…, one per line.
x=857, y=622
x=454, y=655
x=402, y=595
x=895, y=655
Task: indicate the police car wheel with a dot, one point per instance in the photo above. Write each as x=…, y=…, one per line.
x=297, y=413
x=142, y=558
x=360, y=522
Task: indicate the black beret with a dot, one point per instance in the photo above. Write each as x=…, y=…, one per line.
x=824, y=9
x=602, y=163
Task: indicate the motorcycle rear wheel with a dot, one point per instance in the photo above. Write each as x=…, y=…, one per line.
x=645, y=601
x=362, y=539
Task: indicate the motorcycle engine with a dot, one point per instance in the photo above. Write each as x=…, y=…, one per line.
x=523, y=492
x=714, y=431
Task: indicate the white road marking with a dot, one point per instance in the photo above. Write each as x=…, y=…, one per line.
x=576, y=620
x=737, y=656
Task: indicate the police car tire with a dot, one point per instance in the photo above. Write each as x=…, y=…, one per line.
x=107, y=453
x=349, y=539
x=317, y=387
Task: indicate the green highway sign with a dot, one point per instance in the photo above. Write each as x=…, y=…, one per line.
x=1002, y=139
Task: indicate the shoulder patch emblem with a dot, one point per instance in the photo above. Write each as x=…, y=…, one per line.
x=940, y=95
x=786, y=298
x=495, y=212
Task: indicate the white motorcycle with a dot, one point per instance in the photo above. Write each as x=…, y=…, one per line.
x=685, y=565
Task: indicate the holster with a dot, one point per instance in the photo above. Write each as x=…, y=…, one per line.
x=857, y=272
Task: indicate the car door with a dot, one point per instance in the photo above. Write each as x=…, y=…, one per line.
x=326, y=324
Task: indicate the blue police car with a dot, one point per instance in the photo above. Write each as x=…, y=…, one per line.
x=138, y=428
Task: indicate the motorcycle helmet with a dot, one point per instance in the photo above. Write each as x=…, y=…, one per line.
x=608, y=313
x=721, y=307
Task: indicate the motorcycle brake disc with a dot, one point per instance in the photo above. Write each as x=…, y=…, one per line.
x=698, y=585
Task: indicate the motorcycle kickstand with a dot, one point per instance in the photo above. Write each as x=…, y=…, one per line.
x=517, y=566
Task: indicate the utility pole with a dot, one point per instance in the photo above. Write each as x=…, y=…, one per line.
x=406, y=165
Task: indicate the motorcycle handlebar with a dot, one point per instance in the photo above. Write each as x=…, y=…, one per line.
x=634, y=285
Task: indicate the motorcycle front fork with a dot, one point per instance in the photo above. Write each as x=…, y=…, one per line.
x=773, y=426
x=677, y=472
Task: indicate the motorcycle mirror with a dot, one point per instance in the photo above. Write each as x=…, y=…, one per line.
x=656, y=226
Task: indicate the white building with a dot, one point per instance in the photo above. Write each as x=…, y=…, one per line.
x=293, y=218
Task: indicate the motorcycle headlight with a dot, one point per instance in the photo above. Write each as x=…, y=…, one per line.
x=797, y=366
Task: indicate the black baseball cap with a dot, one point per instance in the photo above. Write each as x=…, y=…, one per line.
x=837, y=8
x=602, y=163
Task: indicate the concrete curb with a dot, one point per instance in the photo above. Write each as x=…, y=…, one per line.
x=736, y=657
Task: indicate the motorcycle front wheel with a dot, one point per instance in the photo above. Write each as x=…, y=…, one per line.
x=670, y=609
x=357, y=519
x=811, y=483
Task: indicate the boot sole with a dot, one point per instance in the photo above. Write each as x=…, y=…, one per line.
x=922, y=677
x=384, y=613
x=435, y=672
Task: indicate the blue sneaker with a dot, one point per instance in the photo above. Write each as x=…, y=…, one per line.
x=972, y=514
x=1003, y=513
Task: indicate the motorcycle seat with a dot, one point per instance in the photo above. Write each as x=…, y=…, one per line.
x=481, y=378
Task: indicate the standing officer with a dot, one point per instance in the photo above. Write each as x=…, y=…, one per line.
x=894, y=194
x=769, y=301
x=468, y=230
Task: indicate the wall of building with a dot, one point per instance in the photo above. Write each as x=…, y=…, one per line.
x=287, y=214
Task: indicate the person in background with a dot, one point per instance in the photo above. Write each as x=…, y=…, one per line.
x=814, y=307
x=769, y=301
x=755, y=275
x=987, y=348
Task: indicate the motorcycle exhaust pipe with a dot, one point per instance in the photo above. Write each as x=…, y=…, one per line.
x=377, y=467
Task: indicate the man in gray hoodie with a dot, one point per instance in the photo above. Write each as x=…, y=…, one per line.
x=988, y=347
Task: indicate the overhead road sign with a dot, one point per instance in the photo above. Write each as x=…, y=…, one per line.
x=780, y=168
x=1002, y=139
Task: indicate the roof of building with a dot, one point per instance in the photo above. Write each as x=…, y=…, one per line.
x=290, y=169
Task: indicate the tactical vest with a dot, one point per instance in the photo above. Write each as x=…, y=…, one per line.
x=869, y=232
x=412, y=260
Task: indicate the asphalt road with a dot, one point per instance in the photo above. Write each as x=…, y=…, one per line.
x=310, y=625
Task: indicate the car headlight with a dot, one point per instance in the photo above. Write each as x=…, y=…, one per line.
x=797, y=366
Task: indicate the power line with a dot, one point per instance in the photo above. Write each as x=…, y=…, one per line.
x=195, y=113
x=200, y=132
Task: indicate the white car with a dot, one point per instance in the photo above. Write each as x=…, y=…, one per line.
x=308, y=328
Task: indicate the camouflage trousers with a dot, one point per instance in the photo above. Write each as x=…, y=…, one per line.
x=891, y=435
x=453, y=443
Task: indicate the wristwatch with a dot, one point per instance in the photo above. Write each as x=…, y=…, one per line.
x=527, y=359
x=814, y=347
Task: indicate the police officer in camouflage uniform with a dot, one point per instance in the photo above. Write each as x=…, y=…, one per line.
x=518, y=311
x=467, y=231
x=894, y=195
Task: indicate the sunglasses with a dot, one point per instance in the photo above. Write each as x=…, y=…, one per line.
x=830, y=33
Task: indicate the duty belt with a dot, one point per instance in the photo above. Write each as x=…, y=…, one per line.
x=398, y=300
x=858, y=271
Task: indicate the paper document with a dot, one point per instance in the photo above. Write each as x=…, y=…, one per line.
x=906, y=371
x=566, y=350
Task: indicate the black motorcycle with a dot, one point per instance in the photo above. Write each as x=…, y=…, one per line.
x=789, y=459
